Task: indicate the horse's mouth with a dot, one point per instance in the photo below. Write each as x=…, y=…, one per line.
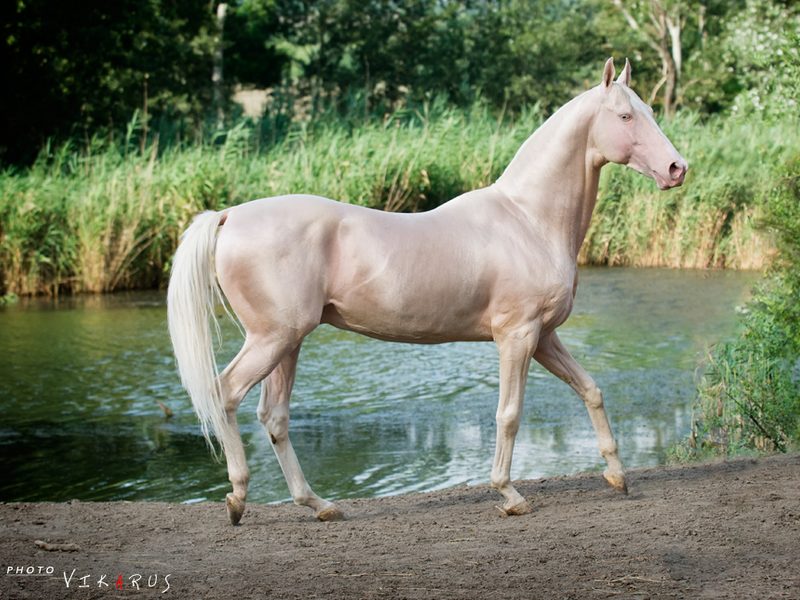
x=664, y=183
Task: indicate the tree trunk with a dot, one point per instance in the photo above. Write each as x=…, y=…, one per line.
x=664, y=36
x=217, y=78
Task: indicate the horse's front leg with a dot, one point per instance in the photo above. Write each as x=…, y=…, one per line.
x=515, y=350
x=554, y=357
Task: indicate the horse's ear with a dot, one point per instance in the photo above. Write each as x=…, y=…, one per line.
x=625, y=77
x=608, y=74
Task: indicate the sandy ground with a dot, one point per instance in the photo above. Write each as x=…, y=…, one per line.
x=723, y=530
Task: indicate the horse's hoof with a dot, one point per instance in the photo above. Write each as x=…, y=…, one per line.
x=520, y=508
x=235, y=508
x=330, y=513
x=616, y=481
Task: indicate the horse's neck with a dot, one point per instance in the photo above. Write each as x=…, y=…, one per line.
x=553, y=177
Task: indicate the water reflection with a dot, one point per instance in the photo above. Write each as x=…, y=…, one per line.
x=81, y=381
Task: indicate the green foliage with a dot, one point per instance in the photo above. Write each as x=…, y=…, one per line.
x=253, y=37
x=762, y=45
x=390, y=51
x=74, y=72
x=749, y=397
x=76, y=69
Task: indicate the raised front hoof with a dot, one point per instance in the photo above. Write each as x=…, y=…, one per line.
x=235, y=508
x=331, y=513
x=520, y=508
x=616, y=481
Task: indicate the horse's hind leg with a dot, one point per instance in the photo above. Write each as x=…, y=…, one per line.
x=257, y=358
x=273, y=412
x=554, y=357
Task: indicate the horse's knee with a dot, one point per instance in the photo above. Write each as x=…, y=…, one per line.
x=593, y=398
x=231, y=405
x=508, y=420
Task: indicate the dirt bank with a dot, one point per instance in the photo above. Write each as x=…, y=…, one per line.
x=725, y=530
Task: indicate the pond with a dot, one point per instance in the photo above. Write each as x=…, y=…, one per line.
x=82, y=378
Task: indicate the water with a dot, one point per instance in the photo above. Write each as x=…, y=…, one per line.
x=82, y=378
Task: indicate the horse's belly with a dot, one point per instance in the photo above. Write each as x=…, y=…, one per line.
x=421, y=326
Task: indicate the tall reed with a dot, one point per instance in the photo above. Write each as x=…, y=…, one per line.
x=107, y=216
x=709, y=221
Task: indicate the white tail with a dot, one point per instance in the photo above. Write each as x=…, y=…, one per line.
x=192, y=296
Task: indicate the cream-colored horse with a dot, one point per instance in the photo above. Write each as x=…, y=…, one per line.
x=498, y=263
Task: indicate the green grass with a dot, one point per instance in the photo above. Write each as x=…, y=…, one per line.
x=108, y=216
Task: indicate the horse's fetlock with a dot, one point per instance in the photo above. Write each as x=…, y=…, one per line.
x=240, y=481
x=609, y=450
x=303, y=499
x=499, y=482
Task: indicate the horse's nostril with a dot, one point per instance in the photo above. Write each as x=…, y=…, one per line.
x=676, y=171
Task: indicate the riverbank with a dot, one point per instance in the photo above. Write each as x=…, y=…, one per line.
x=719, y=530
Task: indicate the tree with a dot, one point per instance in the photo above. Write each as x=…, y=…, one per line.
x=254, y=30
x=685, y=37
x=79, y=67
x=217, y=78
x=537, y=52
x=761, y=46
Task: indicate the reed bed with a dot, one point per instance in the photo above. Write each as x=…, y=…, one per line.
x=710, y=222
x=107, y=216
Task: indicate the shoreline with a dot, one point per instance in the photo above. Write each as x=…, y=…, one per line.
x=756, y=269
x=711, y=530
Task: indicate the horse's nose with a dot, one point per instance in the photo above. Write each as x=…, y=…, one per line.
x=677, y=171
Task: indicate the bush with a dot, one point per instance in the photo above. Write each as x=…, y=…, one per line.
x=749, y=396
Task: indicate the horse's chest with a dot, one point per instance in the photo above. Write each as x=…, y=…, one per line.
x=536, y=300
x=557, y=307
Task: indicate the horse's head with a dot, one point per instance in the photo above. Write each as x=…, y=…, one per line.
x=625, y=132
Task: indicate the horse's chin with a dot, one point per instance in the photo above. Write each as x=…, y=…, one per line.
x=661, y=182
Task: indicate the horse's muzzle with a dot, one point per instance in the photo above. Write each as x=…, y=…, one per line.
x=677, y=173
